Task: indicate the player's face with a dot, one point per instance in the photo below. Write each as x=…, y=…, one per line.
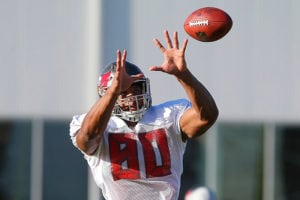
x=132, y=98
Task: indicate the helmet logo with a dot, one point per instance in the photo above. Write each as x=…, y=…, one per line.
x=104, y=83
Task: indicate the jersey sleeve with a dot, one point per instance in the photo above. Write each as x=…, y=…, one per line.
x=75, y=125
x=180, y=106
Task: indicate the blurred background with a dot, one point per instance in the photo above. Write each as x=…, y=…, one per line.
x=51, y=53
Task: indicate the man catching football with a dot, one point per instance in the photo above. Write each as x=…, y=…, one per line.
x=135, y=149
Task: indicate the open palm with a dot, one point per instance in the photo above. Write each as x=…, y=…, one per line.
x=174, y=57
x=122, y=80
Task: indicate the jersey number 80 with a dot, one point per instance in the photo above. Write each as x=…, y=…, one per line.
x=123, y=149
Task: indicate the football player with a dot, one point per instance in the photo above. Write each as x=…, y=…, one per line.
x=135, y=149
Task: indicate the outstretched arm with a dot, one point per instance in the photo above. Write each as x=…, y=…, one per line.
x=203, y=112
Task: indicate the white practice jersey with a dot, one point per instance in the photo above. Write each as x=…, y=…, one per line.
x=140, y=163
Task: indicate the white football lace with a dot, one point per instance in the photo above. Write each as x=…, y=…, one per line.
x=198, y=23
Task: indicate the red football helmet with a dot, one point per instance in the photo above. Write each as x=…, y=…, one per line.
x=141, y=101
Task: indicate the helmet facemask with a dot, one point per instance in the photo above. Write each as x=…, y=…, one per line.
x=132, y=107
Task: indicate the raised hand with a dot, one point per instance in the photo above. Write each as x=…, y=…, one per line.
x=122, y=81
x=174, y=57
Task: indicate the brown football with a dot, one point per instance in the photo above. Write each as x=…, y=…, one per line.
x=208, y=24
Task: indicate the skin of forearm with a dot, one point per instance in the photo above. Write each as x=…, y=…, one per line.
x=95, y=122
x=200, y=98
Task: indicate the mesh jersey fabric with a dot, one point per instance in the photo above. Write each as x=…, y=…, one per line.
x=142, y=163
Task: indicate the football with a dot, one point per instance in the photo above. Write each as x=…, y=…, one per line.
x=208, y=24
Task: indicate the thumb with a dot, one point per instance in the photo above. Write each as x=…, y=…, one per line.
x=155, y=68
x=136, y=77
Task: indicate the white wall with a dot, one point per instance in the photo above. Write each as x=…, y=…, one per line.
x=43, y=57
x=50, y=54
x=252, y=72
